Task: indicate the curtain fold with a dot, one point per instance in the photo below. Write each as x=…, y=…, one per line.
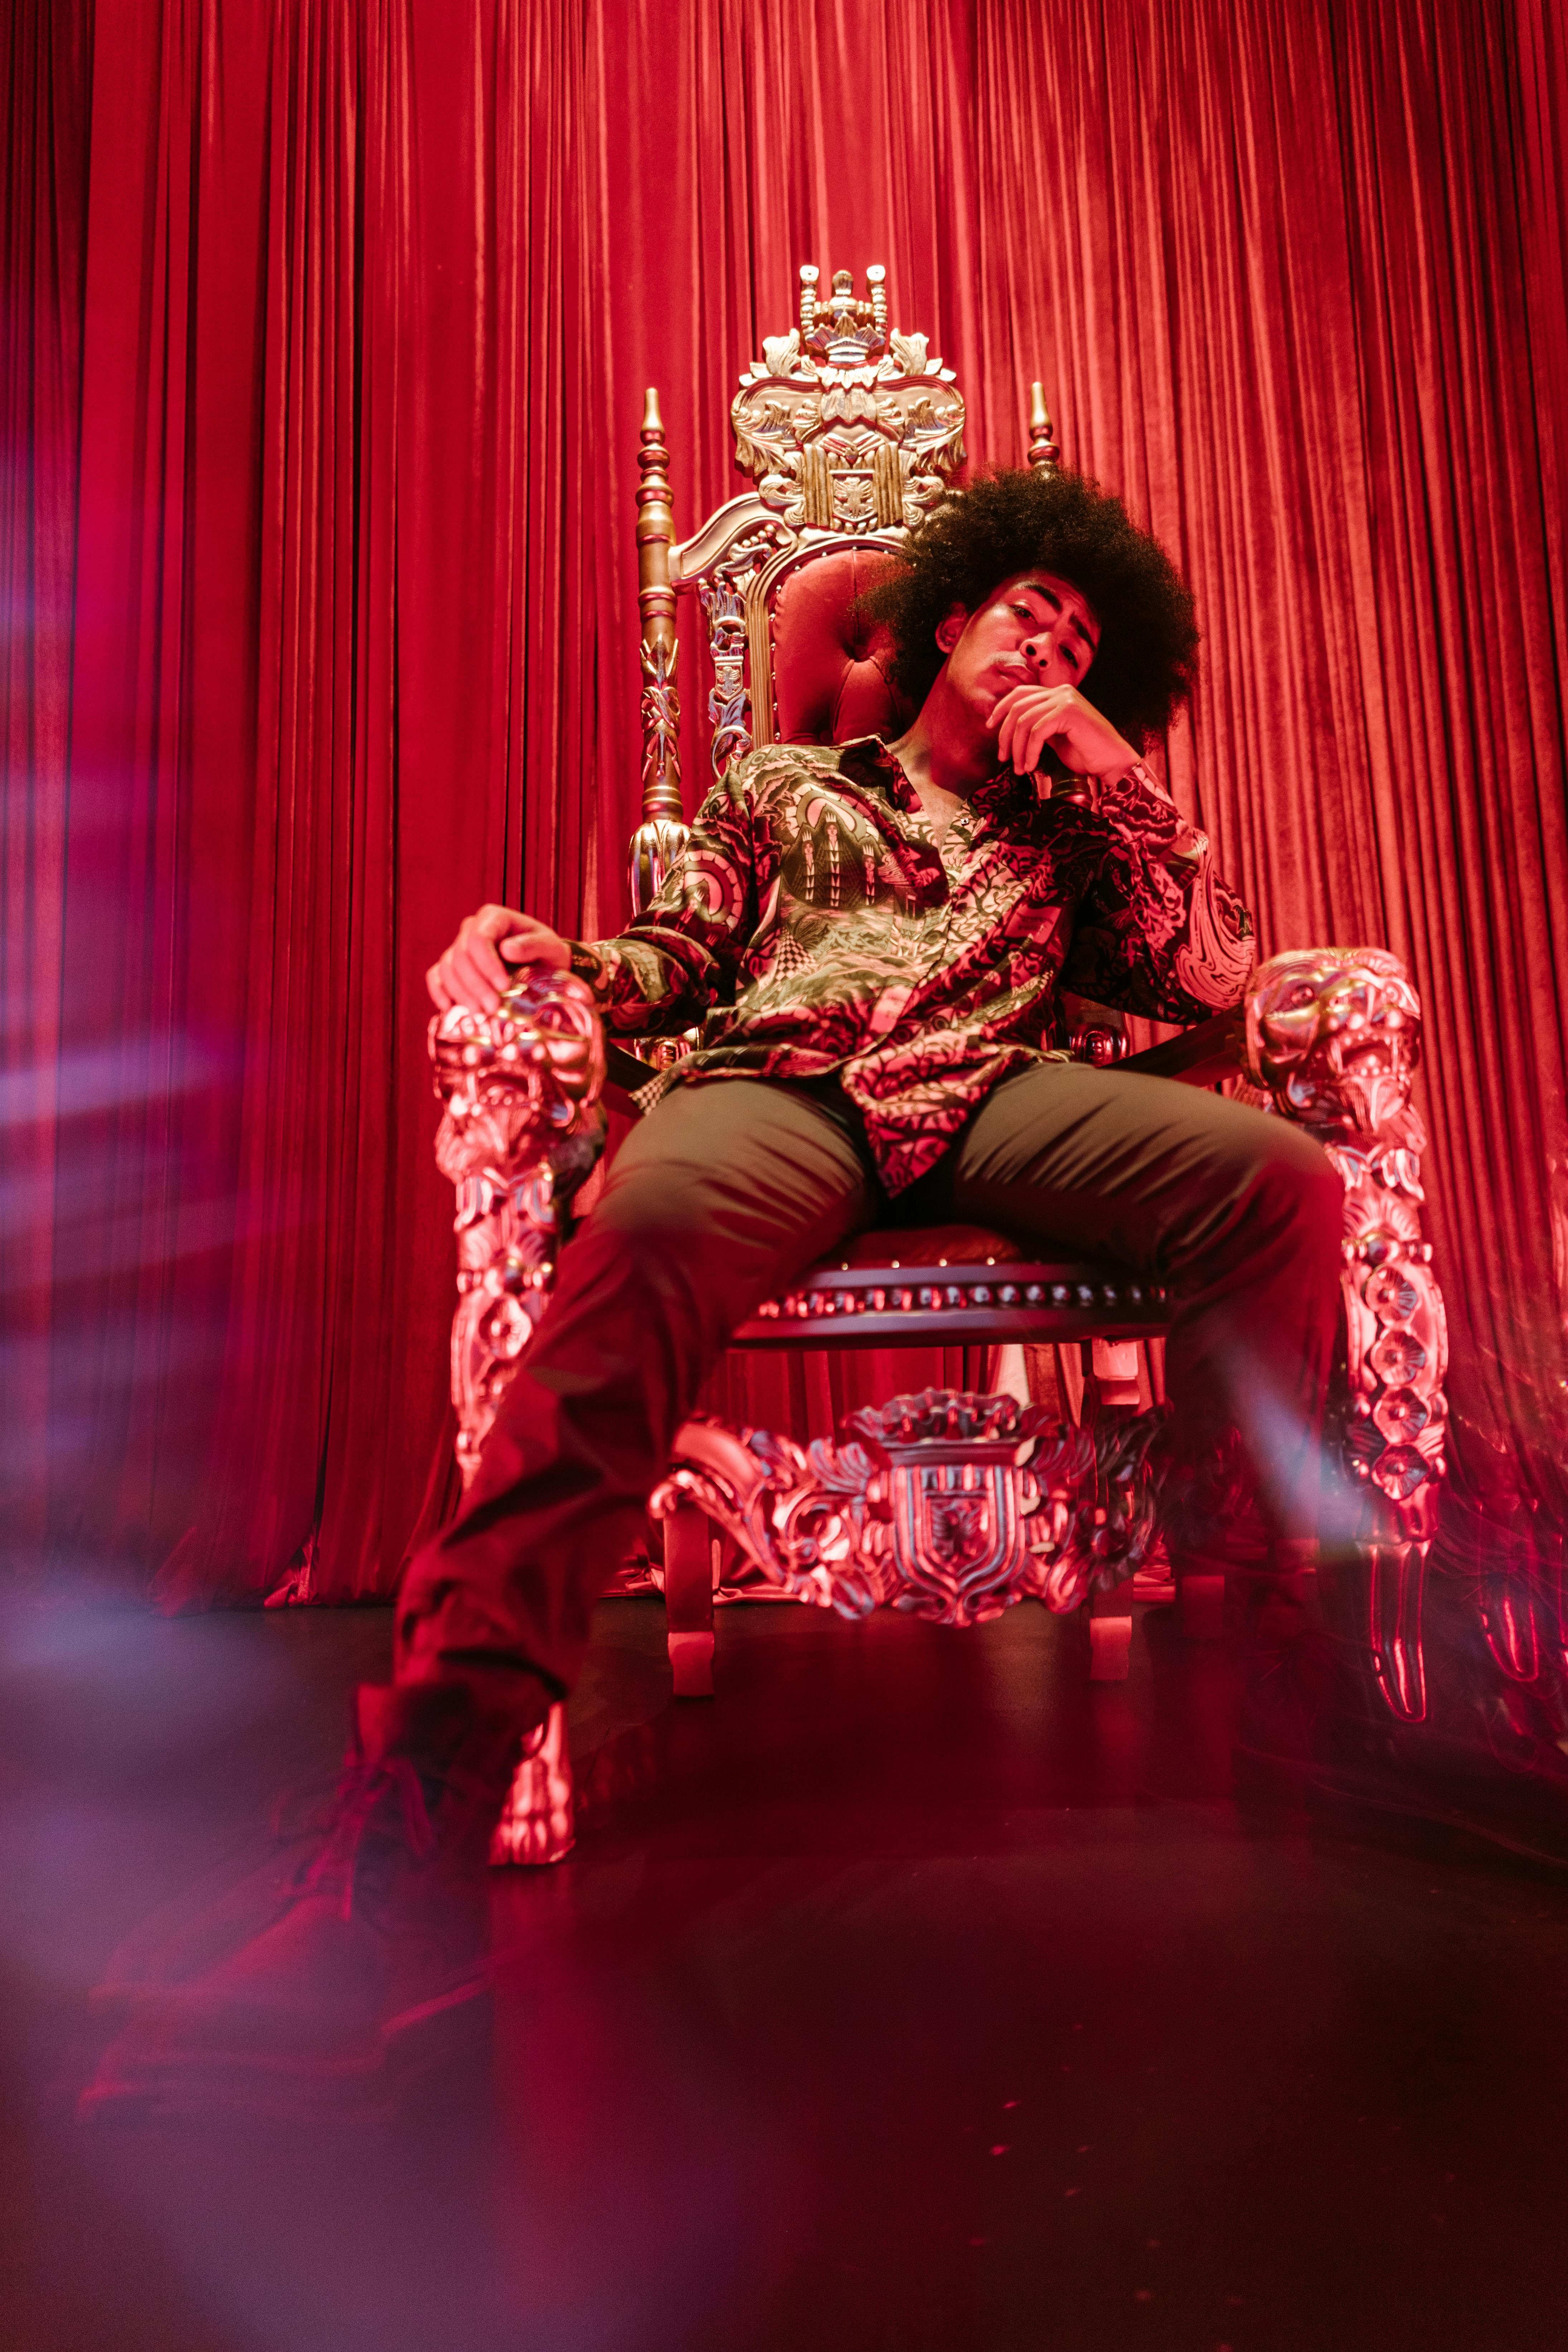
x=46, y=80
x=327, y=325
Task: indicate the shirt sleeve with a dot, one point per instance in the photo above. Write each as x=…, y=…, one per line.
x=680, y=955
x=1157, y=931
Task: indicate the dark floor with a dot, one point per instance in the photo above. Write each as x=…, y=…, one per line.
x=911, y=1995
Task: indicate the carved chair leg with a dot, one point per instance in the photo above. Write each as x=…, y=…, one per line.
x=1110, y=1634
x=537, y=1825
x=1200, y=1600
x=1394, y=1580
x=688, y=1600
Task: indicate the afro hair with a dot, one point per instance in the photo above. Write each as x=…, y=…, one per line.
x=1022, y=520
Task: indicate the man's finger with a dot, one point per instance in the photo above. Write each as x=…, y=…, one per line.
x=1006, y=704
x=439, y=997
x=537, y=946
x=481, y=953
x=470, y=984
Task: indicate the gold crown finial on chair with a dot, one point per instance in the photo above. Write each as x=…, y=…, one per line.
x=1044, y=455
x=844, y=424
x=861, y=328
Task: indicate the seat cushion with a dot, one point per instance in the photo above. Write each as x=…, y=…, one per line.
x=883, y=1288
x=831, y=667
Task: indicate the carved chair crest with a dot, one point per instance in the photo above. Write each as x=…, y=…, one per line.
x=851, y=431
x=846, y=424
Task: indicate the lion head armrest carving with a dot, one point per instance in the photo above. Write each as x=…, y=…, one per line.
x=523, y=1125
x=1334, y=1035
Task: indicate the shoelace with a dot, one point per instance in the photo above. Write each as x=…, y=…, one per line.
x=361, y=1795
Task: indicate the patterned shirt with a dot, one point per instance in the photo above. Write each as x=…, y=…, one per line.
x=813, y=929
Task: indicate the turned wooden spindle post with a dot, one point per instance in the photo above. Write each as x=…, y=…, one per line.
x=659, y=838
x=876, y=279
x=1044, y=454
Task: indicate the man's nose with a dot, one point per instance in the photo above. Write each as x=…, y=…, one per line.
x=1037, y=652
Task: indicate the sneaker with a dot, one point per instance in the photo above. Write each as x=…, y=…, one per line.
x=376, y=1944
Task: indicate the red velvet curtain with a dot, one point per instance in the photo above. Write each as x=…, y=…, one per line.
x=326, y=326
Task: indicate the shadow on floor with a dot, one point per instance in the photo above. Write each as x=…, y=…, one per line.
x=910, y=1997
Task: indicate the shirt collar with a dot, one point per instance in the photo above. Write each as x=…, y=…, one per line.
x=869, y=758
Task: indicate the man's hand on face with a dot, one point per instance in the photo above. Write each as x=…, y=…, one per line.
x=1029, y=716
x=473, y=971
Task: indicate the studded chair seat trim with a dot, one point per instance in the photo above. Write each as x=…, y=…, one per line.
x=934, y=1285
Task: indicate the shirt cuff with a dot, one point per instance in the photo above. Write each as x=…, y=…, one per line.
x=1135, y=802
x=589, y=963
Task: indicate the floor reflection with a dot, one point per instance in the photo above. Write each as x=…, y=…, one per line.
x=910, y=1994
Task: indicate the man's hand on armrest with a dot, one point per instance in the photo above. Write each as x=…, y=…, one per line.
x=473, y=971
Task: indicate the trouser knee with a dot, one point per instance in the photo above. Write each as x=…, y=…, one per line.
x=1273, y=1219
x=1298, y=1192
x=637, y=1278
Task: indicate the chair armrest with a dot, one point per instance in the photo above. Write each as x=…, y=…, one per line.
x=522, y=1126
x=1334, y=1034
x=623, y=1075
x=1214, y=1049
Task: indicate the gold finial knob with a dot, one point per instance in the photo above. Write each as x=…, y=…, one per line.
x=1044, y=454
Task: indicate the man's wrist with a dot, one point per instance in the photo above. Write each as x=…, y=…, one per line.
x=1120, y=763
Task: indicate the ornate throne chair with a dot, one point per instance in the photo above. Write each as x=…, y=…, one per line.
x=951, y=1505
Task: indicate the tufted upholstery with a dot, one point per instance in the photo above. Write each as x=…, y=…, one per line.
x=830, y=682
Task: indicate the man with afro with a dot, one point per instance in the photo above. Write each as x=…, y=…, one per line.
x=873, y=940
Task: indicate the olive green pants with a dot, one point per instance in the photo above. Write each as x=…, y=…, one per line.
x=729, y=1188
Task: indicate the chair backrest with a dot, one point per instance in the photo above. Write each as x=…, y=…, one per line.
x=851, y=432
x=830, y=667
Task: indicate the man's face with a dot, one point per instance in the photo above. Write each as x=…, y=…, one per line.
x=1035, y=629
